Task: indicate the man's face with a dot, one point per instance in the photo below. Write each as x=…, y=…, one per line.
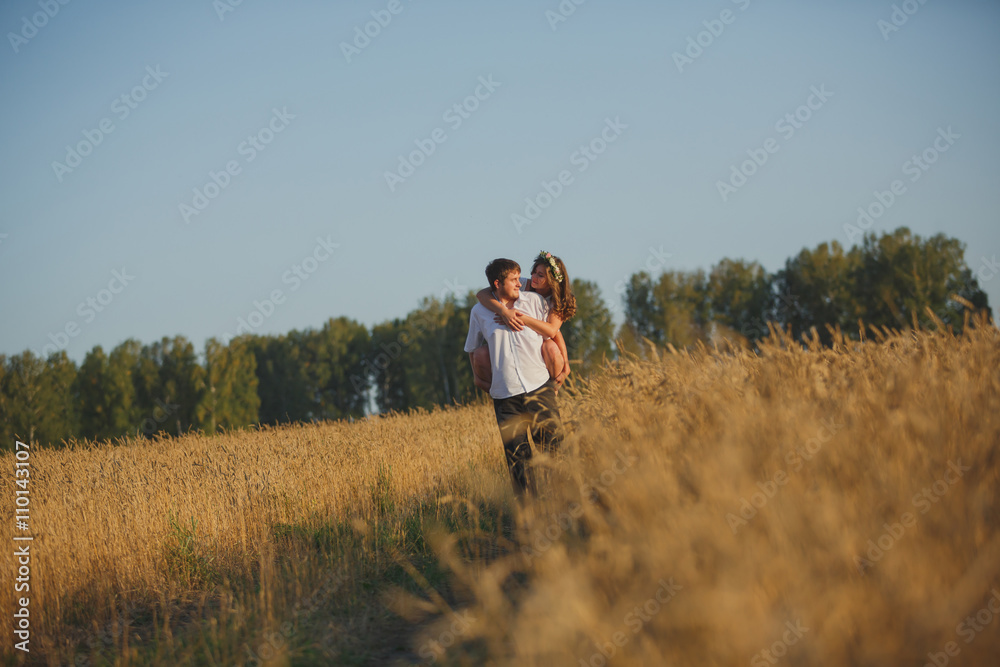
x=510, y=287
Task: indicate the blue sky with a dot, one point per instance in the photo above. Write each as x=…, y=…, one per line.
x=312, y=218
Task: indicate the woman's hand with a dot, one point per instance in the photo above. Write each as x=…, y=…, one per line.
x=511, y=318
x=559, y=379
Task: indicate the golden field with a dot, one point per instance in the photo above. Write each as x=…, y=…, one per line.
x=795, y=506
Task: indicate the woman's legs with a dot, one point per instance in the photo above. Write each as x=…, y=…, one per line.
x=553, y=357
x=481, y=364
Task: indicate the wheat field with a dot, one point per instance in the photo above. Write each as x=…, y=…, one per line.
x=797, y=505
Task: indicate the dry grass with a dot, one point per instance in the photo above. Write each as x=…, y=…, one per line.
x=741, y=489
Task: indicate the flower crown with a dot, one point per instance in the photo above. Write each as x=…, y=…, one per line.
x=551, y=261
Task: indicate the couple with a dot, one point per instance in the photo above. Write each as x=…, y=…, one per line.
x=524, y=359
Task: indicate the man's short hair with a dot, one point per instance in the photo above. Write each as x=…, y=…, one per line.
x=500, y=268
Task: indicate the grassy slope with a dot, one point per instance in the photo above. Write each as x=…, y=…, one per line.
x=703, y=502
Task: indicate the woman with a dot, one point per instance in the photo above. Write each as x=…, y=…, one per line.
x=550, y=280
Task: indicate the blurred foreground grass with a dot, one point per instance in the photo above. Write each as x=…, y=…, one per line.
x=713, y=507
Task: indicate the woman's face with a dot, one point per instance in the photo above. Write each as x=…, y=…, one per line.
x=539, y=279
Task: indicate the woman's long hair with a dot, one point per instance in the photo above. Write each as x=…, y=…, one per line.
x=563, y=301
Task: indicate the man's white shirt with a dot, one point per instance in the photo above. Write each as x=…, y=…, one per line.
x=515, y=356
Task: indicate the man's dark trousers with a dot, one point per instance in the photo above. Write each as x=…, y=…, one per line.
x=535, y=412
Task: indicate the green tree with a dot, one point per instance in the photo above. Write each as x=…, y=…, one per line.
x=107, y=395
x=24, y=372
x=125, y=414
x=899, y=276
x=230, y=398
x=386, y=368
x=313, y=374
x=889, y=280
x=152, y=412
x=179, y=384
x=58, y=399
x=740, y=298
x=588, y=334
x=674, y=309
x=420, y=361
x=333, y=355
x=37, y=401
x=641, y=314
x=816, y=288
x=281, y=379
x=95, y=399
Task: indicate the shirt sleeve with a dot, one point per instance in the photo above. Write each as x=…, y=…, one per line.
x=544, y=308
x=541, y=307
x=475, y=337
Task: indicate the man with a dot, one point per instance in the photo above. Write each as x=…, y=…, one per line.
x=523, y=395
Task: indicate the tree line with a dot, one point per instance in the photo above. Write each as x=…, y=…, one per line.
x=897, y=280
x=345, y=370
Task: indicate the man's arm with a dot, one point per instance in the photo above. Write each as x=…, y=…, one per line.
x=510, y=317
x=472, y=343
x=481, y=383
